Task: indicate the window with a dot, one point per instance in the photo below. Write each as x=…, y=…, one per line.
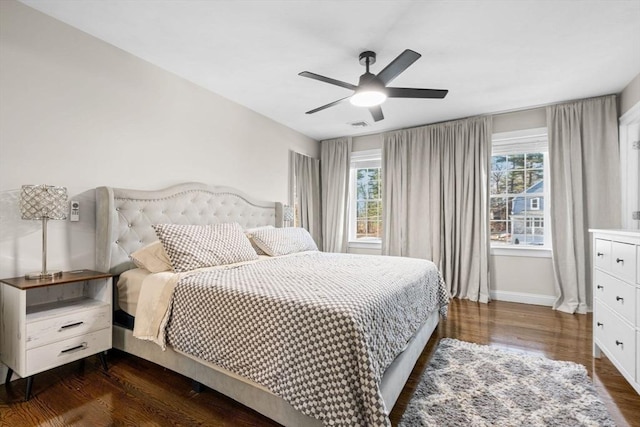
x=518, y=193
x=365, y=197
x=535, y=204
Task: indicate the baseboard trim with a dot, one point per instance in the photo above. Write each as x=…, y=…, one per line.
x=523, y=297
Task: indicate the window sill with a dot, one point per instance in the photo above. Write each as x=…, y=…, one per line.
x=530, y=252
x=366, y=244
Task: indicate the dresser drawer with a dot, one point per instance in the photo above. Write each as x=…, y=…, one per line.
x=618, y=338
x=623, y=261
x=602, y=256
x=58, y=353
x=78, y=322
x=638, y=308
x=618, y=295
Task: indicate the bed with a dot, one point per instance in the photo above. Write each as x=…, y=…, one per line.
x=282, y=391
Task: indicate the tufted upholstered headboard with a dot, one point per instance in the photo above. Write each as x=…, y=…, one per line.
x=124, y=217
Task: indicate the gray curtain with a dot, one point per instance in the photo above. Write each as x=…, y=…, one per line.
x=306, y=179
x=435, y=200
x=585, y=182
x=335, y=165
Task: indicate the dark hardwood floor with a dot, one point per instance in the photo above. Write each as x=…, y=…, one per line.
x=136, y=392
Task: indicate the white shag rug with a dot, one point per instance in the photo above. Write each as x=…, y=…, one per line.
x=468, y=384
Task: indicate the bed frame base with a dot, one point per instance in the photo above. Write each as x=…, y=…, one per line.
x=256, y=396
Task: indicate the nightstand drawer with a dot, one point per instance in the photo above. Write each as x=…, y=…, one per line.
x=616, y=336
x=83, y=318
x=618, y=295
x=56, y=354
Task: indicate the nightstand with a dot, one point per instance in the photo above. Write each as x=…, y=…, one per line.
x=46, y=323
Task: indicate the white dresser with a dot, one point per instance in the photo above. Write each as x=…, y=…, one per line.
x=616, y=300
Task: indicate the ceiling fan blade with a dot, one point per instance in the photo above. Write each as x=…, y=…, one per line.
x=328, y=80
x=376, y=112
x=331, y=104
x=406, y=92
x=397, y=66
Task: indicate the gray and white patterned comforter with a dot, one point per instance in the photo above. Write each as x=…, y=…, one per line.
x=317, y=329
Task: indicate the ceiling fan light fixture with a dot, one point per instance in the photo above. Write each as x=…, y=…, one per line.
x=368, y=98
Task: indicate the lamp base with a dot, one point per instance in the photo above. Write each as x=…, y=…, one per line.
x=47, y=275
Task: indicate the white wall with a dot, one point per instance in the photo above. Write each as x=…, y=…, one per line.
x=630, y=95
x=80, y=113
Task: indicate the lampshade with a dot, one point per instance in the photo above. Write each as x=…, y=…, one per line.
x=287, y=213
x=43, y=201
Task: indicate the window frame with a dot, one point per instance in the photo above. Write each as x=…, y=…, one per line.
x=530, y=141
x=370, y=159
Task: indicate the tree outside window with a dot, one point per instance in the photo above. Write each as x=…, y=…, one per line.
x=517, y=199
x=368, y=203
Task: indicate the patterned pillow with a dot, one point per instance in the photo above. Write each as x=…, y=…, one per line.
x=284, y=241
x=152, y=257
x=249, y=232
x=196, y=246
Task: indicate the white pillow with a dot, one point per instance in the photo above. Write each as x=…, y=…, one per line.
x=152, y=258
x=197, y=246
x=249, y=232
x=284, y=241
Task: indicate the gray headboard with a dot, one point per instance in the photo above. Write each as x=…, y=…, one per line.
x=124, y=217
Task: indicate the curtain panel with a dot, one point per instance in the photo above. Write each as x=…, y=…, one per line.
x=335, y=165
x=585, y=182
x=435, y=200
x=306, y=183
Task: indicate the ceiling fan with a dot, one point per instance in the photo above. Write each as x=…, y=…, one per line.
x=372, y=89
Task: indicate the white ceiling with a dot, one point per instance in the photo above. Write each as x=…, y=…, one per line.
x=492, y=55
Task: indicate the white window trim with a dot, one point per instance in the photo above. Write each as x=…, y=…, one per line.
x=375, y=157
x=522, y=251
x=528, y=140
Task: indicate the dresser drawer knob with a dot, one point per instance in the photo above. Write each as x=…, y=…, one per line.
x=619, y=343
x=619, y=299
x=619, y=260
x=599, y=254
x=600, y=287
x=70, y=325
x=76, y=348
x=599, y=323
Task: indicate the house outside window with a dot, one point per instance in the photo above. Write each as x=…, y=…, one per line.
x=519, y=208
x=365, y=197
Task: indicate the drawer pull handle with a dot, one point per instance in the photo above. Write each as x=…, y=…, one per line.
x=70, y=325
x=600, y=287
x=599, y=323
x=619, y=343
x=619, y=260
x=619, y=299
x=76, y=348
x=599, y=254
